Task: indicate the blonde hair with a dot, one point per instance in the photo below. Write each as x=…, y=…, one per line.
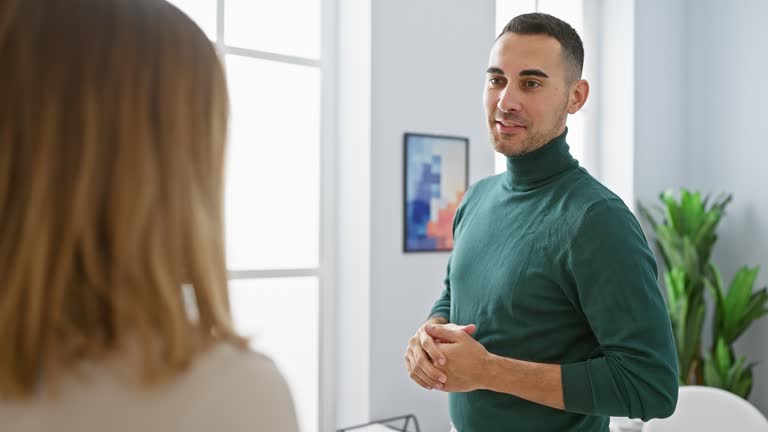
x=112, y=130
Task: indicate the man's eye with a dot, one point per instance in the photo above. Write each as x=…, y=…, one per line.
x=495, y=81
x=531, y=84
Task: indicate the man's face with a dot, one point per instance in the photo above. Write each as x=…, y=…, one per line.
x=527, y=95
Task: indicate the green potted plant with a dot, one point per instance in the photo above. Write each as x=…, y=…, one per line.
x=685, y=231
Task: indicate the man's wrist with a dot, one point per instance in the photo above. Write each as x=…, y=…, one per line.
x=497, y=371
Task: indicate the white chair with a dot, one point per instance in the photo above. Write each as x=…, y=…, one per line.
x=708, y=409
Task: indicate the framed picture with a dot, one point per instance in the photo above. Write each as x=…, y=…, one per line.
x=435, y=180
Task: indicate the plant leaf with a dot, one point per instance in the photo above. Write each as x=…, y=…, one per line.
x=673, y=213
x=711, y=376
x=722, y=356
x=754, y=311
x=737, y=299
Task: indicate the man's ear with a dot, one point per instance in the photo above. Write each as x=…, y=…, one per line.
x=578, y=96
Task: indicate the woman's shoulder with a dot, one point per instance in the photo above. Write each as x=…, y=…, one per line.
x=241, y=366
x=249, y=383
x=237, y=360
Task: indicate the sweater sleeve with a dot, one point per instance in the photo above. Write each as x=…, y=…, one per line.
x=442, y=306
x=615, y=285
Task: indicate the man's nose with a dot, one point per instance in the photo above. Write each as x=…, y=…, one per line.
x=509, y=100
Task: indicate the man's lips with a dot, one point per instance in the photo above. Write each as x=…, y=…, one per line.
x=508, y=127
x=509, y=124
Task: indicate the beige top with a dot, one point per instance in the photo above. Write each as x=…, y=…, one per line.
x=224, y=390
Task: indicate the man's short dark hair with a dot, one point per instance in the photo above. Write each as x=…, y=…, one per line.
x=544, y=24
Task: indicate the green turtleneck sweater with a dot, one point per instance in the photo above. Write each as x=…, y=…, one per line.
x=553, y=268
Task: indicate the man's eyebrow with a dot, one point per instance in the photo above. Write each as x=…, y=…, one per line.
x=533, y=72
x=493, y=70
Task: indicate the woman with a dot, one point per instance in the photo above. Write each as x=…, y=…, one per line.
x=113, y=300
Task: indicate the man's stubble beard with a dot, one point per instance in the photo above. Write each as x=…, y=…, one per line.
x=533, y=141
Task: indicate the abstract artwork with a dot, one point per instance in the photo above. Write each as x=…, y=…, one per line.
x=435, y=182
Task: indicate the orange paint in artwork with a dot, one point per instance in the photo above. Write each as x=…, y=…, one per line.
x=442, y=229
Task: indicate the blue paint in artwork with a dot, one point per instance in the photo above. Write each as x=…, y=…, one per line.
x=423, y=174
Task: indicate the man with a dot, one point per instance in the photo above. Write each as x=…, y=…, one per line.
x=551, y=318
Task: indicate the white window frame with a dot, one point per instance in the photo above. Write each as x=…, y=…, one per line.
x=324, y=272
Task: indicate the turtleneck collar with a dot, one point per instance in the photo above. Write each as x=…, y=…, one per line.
x=536, y=168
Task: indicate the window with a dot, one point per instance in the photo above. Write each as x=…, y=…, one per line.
x=572, y=12
x=274, y=187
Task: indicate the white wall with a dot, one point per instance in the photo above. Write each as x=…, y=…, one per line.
x=428, y=61
x=658, y=113
x=725, y=150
